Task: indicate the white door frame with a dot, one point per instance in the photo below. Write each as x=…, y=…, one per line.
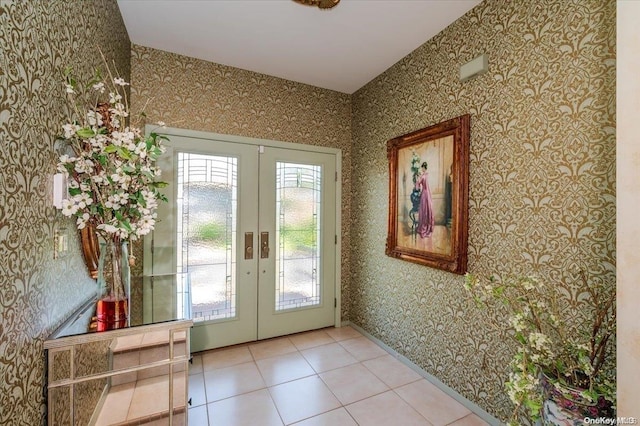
x=169, y=131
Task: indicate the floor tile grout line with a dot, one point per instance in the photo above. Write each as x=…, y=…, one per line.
x=382, y=380
x=273, y=401
x=463, y=417
x=268, y=388
x=409, y=404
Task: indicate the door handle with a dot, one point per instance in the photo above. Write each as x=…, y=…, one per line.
x=248, y=245
x=264, y=245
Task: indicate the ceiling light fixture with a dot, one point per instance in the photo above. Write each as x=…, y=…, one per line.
x=322, y=4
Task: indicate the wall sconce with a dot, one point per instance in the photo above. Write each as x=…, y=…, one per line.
x=474, y=68
x=60, y=191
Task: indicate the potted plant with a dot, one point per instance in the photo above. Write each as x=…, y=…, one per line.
x=564, y=368
x=113, y=181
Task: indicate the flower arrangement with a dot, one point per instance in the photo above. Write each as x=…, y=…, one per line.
x=112, y=177
x=113, y=181
x=574, y=362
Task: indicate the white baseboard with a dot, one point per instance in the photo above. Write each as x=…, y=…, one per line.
x=474, y=408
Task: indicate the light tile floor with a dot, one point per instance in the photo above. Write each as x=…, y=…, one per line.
x=331, y=377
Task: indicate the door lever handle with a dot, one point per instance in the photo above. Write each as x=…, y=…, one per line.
x=248, y=245
x=264, y=245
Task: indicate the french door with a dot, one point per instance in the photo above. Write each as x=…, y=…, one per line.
x=250, y=233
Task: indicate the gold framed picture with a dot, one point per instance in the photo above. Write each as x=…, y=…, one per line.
x=429, y=195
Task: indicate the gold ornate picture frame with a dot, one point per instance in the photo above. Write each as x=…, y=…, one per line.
x=429, y=195
x=90, y=249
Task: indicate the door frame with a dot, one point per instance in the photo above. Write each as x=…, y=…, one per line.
x=210, y=136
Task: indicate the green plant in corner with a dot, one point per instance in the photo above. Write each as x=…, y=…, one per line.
x=573, y=361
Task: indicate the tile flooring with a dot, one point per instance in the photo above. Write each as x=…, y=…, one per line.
x=333, y=377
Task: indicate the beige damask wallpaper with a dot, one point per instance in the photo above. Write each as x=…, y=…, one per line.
x=193, y=94
x=542, y=196
x=542, y=178
x=38, y=39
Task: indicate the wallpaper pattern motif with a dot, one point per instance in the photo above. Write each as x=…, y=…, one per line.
x=542, y=177
x=542, y=169
x=194, y=94
x=38, y=39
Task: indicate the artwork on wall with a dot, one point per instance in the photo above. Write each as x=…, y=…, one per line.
x=428, y=195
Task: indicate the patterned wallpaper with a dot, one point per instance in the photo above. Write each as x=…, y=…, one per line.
x=542, y=177
x=38, y=39
x=198, y=95
x=542, y=169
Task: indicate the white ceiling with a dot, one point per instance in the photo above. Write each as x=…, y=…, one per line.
x=340, y=49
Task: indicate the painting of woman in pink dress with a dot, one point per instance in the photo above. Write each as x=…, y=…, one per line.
x=425, y=213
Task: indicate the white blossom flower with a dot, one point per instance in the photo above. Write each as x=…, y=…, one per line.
x=118, y=110
x=115, y=198
x=99, y=87
x=98, y=143
x=529, y=283
x=517, y=322
x=84, y=165
x=120, y=81
x=81, y=222
x=541, y=343
x=114, y=97
x=540, y=304
x=69, y=89
x=83, y=200
x=69, y=208
x=70, y=130
x=107, y=228
x=94, y=119
x=119, y=176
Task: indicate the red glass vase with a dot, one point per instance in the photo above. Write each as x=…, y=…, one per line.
x=112, y=307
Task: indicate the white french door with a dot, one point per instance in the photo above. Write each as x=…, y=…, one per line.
x=251, y=231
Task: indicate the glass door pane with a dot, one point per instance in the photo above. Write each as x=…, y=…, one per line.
x=298, y=210
x=207, y=200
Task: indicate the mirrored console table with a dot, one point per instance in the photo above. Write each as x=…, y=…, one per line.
x=129, y=376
